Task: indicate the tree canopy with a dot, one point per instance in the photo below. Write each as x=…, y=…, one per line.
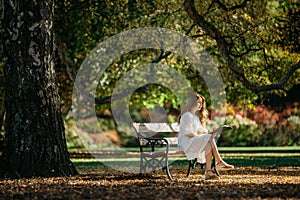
x=255, y=43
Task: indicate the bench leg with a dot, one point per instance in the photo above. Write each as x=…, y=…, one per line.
x=141, y=164
x=168, y=172
x=154, y=163
x=189, y=169
x=166, y=167
x=192, y=165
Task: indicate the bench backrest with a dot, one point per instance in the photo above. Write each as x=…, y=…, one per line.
x=149, y=130
x=156, y=127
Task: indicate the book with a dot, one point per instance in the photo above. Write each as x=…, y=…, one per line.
x=220, y=129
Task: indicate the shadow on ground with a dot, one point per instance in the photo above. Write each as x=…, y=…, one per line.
x=106, y=183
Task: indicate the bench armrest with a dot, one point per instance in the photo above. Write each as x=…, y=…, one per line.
x=147, y=134
x=153, y=143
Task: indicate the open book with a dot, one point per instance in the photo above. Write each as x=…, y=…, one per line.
x=220, y=129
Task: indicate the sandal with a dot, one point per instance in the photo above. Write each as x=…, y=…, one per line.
x=210, y=175
x=222, y=165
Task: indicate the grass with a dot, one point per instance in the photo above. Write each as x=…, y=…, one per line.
x=287, y=149
x=272, y=160
x=238, y=156
x=284, y=149
x=271, y=157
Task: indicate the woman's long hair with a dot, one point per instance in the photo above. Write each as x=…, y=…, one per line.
x=202, y=113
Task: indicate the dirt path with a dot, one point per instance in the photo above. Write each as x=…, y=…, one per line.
x=242, y=183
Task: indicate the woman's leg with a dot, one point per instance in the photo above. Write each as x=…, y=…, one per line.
x=215, y=150
x=208, y=156
x=209, y=174
x=219, y=161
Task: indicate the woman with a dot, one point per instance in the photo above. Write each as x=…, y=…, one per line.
x=194, y=140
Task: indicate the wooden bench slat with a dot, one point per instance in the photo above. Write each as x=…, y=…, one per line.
x=156, y=127
x=161, y=153
x=172, y=140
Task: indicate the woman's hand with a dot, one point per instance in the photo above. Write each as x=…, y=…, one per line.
x=190, y=135
x=202, y=132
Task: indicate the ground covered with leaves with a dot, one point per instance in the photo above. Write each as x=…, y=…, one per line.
x=105, y=183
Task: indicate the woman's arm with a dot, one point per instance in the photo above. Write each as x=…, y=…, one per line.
x=202, y=130
x=186, y=125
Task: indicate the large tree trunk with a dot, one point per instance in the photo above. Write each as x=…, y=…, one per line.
x=35, y=140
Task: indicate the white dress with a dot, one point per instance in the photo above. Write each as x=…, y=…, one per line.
x=190, y=140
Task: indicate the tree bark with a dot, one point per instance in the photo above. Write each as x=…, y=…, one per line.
x=35, y=138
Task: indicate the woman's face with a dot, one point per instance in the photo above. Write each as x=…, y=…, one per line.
x=197, y=105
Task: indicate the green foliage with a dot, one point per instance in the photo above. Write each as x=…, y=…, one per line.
x=91, y=22
x=261, y=26
x=264, y=39
x=271, y=25
x=256, y=34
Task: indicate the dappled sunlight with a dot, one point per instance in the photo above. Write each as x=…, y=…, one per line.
x=106, y=183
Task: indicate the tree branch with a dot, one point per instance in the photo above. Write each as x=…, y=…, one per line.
x=224, y=47
x=214, y=33
x=282, y=82
x=238, y=6
x=64, y=58
x=144, y=89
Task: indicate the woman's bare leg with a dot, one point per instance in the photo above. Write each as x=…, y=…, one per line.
x=208, y=156
x=216, y=154
x=209, y=174
x=215, y=150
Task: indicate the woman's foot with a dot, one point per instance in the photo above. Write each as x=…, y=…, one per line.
x=222, y=165
x=210, y=175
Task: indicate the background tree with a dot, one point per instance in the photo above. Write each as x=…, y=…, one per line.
x=257, y=45
x=254, y=43
x=35, y=141
x=246, y=37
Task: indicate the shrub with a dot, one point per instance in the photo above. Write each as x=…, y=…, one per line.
x=263, y=127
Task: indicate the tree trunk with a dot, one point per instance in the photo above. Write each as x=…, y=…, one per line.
x=35, y=138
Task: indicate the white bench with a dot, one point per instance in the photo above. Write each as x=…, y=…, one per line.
x=155, y=147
